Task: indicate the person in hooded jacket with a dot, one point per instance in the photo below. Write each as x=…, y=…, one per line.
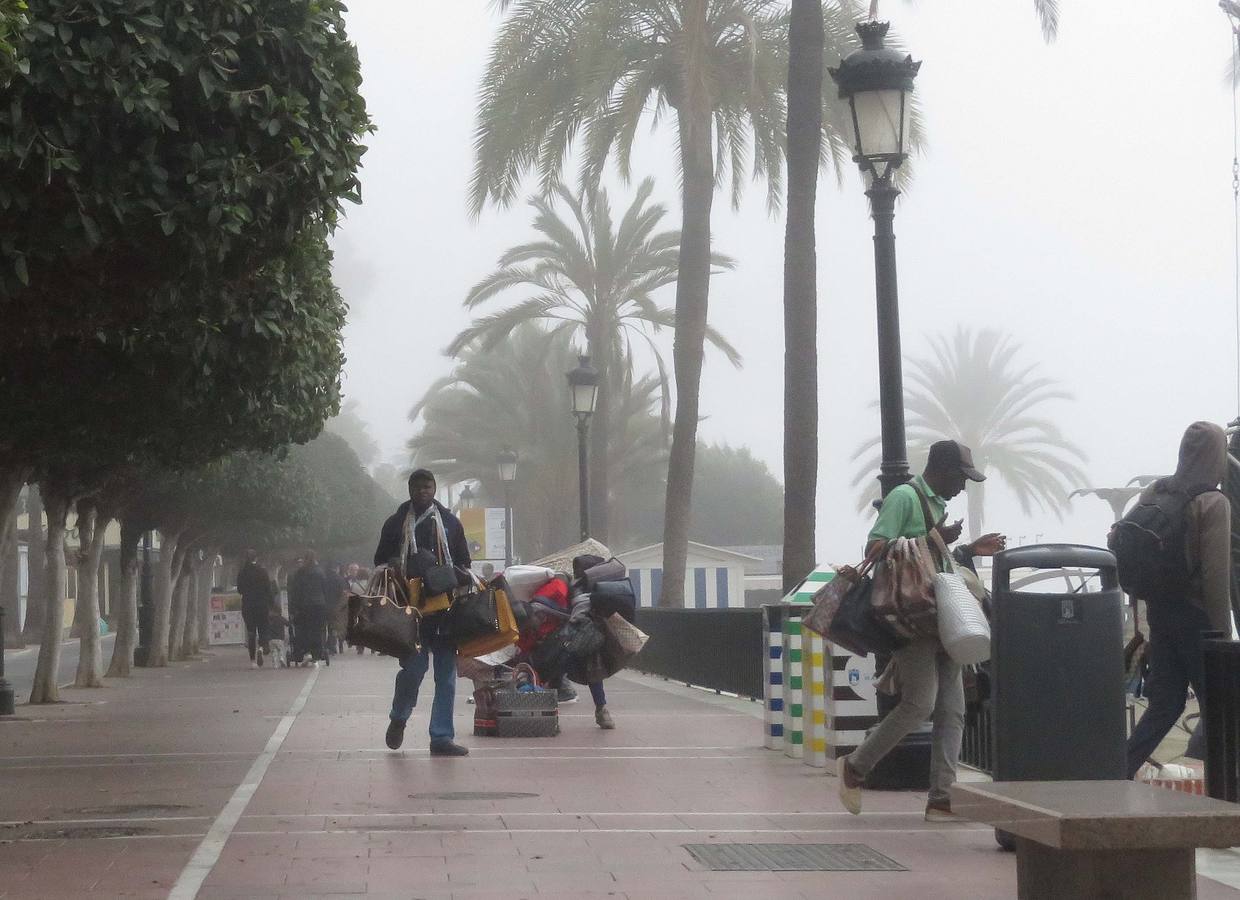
x=431, y=528
x=1176, y=623
x=254, y=586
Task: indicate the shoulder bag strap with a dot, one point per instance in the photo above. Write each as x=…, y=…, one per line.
x=934, y=540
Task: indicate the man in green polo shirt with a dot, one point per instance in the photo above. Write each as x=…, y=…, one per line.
x=930, y=684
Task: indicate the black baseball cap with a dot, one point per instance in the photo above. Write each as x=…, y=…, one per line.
x=953, y=456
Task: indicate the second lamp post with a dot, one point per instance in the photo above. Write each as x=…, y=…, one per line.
x=583, y=389
x=506, y=462
x=877, y=81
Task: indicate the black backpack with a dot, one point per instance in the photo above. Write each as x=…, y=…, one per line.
x=1149, y=547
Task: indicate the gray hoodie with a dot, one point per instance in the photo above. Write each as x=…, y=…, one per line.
x=1203, y=462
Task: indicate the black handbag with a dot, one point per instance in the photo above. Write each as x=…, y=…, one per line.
x=436, y=578
x=382, y=619
x=614, y=597
x=856, y=627
x=472, y=616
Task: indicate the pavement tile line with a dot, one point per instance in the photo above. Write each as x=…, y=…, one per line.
x=208, y=853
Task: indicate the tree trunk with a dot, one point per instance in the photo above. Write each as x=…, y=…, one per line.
x=692, y=296
x=46, y=675
x=161, y=621
x=180, y=596
x=600, y=429
x=36, y=568
x=189, y=643
x=127, y=611
x=11, y=482
x=206, y=582
x=92, y=529
x=805, y=41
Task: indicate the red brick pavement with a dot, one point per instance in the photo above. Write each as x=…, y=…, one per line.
x=594, y=814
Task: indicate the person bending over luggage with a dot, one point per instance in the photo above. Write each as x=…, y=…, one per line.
x=1188, y=595
x=930, y=681
x=438, y=534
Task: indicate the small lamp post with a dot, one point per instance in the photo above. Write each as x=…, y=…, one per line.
x=506, y=462
x=583, y=388
x=877, y=81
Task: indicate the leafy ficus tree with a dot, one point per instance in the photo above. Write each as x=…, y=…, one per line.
x=160, y=153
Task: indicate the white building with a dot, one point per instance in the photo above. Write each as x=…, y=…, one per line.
x=714, y=577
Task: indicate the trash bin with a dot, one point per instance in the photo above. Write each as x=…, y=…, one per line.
x=1057, y=668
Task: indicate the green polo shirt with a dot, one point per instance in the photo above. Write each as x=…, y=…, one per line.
x=901, y=514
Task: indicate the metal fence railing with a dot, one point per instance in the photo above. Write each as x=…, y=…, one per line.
x=721, y=649
x=977, y=748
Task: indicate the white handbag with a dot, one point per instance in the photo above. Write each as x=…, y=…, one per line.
x=963, y=629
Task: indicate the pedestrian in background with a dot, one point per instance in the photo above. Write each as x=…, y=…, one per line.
x=254, y=586
x=307, y=607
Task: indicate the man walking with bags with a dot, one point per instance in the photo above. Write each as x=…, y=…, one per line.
x=420, y=539
x=929, y=680
x=1174, y=552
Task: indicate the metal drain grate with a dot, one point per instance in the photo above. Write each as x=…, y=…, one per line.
x=474, y=795
x=792, y=858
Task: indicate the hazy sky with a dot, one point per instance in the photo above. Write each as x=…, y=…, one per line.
x=1075, y=195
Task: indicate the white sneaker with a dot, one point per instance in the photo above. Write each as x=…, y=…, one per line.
x=849, y=789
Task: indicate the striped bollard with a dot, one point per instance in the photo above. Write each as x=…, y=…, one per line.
x=773, y=669
x=815, y=693
x=794, y=735
x=852, y=705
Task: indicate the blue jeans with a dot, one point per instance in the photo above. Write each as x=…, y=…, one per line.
x=412, y=670
x=1175, y=665
x=597, y=692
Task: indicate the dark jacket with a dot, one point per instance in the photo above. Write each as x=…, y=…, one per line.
x=390, y=538
x=307, y=590
x=254, y=586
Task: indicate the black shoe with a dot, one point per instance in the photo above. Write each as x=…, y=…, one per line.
x=448, y=748
x=395, y=734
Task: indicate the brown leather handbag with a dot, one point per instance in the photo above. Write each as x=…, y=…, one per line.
x=383, y=619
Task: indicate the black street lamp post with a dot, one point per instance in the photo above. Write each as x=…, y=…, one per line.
x=876, y=81
x=506, y=461
x=583, y=388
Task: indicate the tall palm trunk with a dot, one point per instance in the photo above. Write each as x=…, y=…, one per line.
x=127, y=617
x=161, y=620
x=91, y=530
x=692, y=298
x=45, y=688
x=12, y=479
x=36, y=567
x=805, y=42
x=976, y=492
x=600, y=481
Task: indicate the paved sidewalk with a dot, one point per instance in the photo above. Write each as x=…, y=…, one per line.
x=214, y=780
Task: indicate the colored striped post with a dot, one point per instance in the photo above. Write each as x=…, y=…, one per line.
x=815, y=692
x=852, y=705
x=773, y=668
x=794, y=735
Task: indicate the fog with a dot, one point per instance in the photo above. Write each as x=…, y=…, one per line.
x=1075, y=195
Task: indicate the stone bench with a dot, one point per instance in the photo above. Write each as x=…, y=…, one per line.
x=1087, y=839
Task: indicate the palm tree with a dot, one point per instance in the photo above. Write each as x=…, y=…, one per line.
x=806, y=35
x=515, y=395
x=594, y=279
x=974, y=391
x=591, y=69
